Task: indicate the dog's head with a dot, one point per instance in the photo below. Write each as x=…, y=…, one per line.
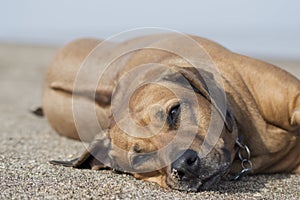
x=176, y=132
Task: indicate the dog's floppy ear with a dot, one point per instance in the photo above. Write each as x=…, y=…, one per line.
x=95, y=157
x=198, y=79
x=204, y=83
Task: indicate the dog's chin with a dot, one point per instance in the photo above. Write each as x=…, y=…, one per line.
x=197, y=183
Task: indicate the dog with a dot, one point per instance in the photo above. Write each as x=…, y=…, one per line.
x=186, y=126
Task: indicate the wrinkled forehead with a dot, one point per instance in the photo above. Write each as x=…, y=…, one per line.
x=162, y=92
x=153, y=80
x=154, y=93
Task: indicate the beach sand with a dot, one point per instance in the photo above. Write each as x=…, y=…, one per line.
x=27, y=143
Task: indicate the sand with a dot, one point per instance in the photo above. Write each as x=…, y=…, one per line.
x=27, y=143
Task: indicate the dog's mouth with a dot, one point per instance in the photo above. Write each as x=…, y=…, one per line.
x=193, y=182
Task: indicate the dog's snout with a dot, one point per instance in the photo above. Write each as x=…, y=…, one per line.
x=186, y=164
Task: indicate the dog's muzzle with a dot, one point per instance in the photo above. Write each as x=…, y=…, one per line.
x=186, y=165
x=190, y=173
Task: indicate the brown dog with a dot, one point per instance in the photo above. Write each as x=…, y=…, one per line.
x=183, y=127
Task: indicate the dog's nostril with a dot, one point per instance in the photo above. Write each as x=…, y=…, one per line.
x=191, y=161
x=186, y=163
x=189, y=157
x=180, y=174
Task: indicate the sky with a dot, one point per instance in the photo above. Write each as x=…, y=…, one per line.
x=253, y=27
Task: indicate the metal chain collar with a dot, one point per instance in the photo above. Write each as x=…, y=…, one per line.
x=245, y=161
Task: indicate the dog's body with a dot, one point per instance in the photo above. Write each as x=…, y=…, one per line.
x=263, y=99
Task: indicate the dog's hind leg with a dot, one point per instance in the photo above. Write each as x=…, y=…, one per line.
x=276, y=93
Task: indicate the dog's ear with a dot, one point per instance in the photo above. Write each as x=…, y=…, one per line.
x=95, y=157
x=198, y=79
x=204, y=83
x=102, y=96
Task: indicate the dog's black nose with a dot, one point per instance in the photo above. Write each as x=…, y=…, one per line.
x=187, y=164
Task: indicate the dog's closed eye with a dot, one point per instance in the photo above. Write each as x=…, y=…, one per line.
x=173, y=115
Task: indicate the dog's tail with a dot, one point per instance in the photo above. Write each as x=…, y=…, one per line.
x=38, y=111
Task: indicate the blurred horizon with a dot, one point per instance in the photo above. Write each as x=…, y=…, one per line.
x=266, y=29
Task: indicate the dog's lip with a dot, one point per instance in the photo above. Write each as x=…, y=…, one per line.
x=208, y=182
x=204, y=183
x=201, y=185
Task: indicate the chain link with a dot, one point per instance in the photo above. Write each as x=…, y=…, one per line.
x=245, y=161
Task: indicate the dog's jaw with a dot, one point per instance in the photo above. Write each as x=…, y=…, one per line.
x=212, y=168
x=197, y=182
